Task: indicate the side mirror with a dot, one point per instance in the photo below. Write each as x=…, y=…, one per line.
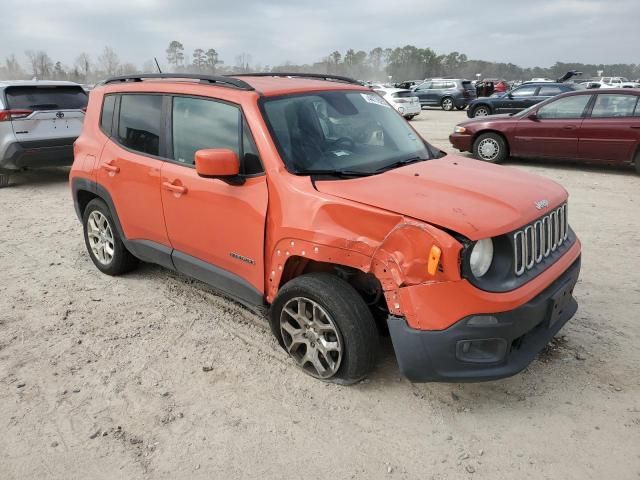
x=533, y=116
x=510, y=95
x=217, y=162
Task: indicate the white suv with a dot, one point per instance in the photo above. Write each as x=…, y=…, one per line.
x=404, y=101
x=615, y=82
x=39, y=121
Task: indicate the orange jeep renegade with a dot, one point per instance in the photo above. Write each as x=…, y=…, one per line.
x=310, y=198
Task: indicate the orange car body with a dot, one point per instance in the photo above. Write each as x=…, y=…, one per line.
x=278, y=225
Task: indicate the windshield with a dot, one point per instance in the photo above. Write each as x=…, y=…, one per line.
x=342, y=131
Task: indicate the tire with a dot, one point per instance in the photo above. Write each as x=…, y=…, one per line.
x=461, y=108
x=480, y=111
x=4, y=180
x=447, y=104
x=491, y=147
x=409, y=117
x=103, y=242
x=341, y=317
x=637, y=162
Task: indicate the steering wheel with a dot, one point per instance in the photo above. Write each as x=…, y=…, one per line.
x=346, y=142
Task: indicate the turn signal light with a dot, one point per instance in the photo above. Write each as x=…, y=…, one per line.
x=434, y=260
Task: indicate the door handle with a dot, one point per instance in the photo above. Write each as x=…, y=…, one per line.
x=637, y=127
x=174, y=188
x=569, y=127
x=109, y=167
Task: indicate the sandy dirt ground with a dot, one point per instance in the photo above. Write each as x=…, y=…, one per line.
x=153, y=375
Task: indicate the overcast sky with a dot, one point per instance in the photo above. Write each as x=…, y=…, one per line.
x=527, y=33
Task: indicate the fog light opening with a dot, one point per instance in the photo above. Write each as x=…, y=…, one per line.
x=487, y=350
x=482, y=321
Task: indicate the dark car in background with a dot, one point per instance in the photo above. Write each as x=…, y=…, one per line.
x=591, y=126
x=447, y=93
x=518, y=99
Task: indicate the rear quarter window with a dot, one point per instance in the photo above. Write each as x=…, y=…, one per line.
x=46, y=97
x=106, y=116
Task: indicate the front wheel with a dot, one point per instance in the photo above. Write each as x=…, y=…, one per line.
x=103, y=242
x=326, y=328
x=491, y=147
x=447, y=104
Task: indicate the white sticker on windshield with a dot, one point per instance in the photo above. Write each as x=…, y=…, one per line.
x=375, y=99
x=340, y=153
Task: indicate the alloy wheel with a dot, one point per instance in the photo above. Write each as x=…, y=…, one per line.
x=447, y=104
x=481, y=112
x=488, y=149
x=100, y=236
x=311, y=337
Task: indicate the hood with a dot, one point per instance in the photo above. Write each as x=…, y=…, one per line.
x=473, y=198
x=488, y=118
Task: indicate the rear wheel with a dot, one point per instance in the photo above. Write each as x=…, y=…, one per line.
x=637, y=162
x=491, y=147
x=103, y=242
x=447, y=104
x=326, y=328
x=462, y=107
x=4, y=180
x=481, y=111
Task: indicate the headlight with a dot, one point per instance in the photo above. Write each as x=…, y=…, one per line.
x=459, y=129
x=481, y=257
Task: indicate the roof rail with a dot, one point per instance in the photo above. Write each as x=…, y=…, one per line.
x=318, y=76
x=212, y=79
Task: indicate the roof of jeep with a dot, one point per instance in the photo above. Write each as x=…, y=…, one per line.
x=263, y=85
x=271, y=86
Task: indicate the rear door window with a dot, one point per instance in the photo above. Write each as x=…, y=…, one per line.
x=611, y=105
x=140, y=123
x=38, y=98
x=524, y=92
x=549, y=91
x=106, y=116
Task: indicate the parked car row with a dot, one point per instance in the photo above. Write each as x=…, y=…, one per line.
x=597, y=126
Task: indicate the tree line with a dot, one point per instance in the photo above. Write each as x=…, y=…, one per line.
x=381, y=64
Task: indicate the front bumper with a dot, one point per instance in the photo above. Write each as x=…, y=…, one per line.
x=470, y=350
x=461, y=141
x=40, y=153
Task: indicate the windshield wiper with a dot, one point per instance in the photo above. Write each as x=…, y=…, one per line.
x=335, y=173
x=400, y=163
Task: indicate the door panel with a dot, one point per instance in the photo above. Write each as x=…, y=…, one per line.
x=609, y=140
x=611, y=133
x=133, y=181
x=132, y=174
x=210, y=219
x=218, y=223
x=548, y=138
x=552, y=131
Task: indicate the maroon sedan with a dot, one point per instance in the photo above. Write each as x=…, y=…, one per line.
x=587, y=126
